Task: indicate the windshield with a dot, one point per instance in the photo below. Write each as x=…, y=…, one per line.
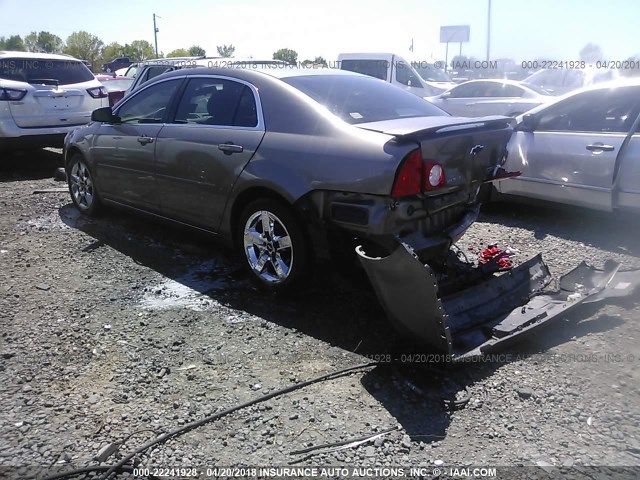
x=430, y=73
x=357, y=99
x=40, y=70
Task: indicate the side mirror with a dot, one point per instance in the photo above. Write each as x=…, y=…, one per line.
x=527, y=124
x=445, y=95
x=104, y=115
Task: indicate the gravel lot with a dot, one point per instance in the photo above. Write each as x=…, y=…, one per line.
x=121, y=326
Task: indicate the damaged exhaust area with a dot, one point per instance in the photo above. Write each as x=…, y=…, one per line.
x=491, y=310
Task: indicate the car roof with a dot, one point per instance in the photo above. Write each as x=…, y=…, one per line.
x=36, y=55
x=624, y=82
x=277, y=71
x=495, y=80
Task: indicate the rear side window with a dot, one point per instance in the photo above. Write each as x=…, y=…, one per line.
x=39, y=70
x=213, y=101
x=468, y=90
x=372, y=68
x=357, y=99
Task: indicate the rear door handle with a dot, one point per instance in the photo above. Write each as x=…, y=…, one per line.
x=600, y=147
x=145, y=140
x=229, y=148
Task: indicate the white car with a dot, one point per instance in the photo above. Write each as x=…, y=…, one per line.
x=479, y=98
x=43, y=97
x=564, y=80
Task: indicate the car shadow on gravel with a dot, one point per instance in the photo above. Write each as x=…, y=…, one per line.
x=615, y=232
x=340, y=310
x=30, y=165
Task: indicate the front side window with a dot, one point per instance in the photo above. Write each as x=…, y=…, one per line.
x=150, y=105
x=214, y=101
x=405, y=76
x=606, y=111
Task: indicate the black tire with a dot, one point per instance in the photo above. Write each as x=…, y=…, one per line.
x=82, y=187
x=273, y=255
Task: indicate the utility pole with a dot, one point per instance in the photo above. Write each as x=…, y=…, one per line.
x=489, y=31
x=156, y=30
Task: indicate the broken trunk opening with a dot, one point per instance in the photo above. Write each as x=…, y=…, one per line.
x=490, y=313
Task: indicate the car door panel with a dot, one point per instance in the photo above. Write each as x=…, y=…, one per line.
x=123, y=152
x=124, y=156
x=557, y=166
x=195, y=175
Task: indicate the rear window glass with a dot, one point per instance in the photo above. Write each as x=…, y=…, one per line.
x=357, y=99
x=39, y=70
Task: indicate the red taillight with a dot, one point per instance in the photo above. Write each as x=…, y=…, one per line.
x=433, y=176
x=409, y=179
x=97, y=92
x=416, y=176
x=12, y=94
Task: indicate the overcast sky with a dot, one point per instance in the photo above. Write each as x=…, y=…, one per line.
x=520, y=29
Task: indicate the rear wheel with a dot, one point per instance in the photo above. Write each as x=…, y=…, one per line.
x=274, y=246
x=82, y=187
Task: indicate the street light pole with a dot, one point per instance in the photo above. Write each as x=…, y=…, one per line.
x=156, y=30
x=489, y=30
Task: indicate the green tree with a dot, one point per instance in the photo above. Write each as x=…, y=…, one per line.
x=287, y=55
x=591, y=53
x=43, y=42
x=109, y=52
x=13, y=43
x=226, y=50
x=631, y=72
x=85, y=46
x=197, y=51
x=139, y=51
x=320, y=61
x=178, y=52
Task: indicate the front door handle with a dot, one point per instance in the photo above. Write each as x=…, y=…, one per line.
x=600, y=147
x=229, y=148
x=145, y=140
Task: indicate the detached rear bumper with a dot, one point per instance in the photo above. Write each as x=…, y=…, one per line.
x=489, y=315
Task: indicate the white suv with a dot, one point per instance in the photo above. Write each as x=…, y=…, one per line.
x=43, y=97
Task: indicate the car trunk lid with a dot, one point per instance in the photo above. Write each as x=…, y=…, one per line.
x=471, y=151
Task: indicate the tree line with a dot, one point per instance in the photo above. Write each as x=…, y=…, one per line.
x=85, y=46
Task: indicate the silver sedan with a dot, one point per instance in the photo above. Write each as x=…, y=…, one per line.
x=583, y=149
x=478, y=98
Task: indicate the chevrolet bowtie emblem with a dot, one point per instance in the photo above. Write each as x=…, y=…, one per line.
x=476, y=149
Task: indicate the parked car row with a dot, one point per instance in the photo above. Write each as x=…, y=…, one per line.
x=556, y=147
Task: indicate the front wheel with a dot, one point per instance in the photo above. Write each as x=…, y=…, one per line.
x=82, y=186
x=274, y=246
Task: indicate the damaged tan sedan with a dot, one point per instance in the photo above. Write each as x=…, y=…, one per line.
x=288, y=165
